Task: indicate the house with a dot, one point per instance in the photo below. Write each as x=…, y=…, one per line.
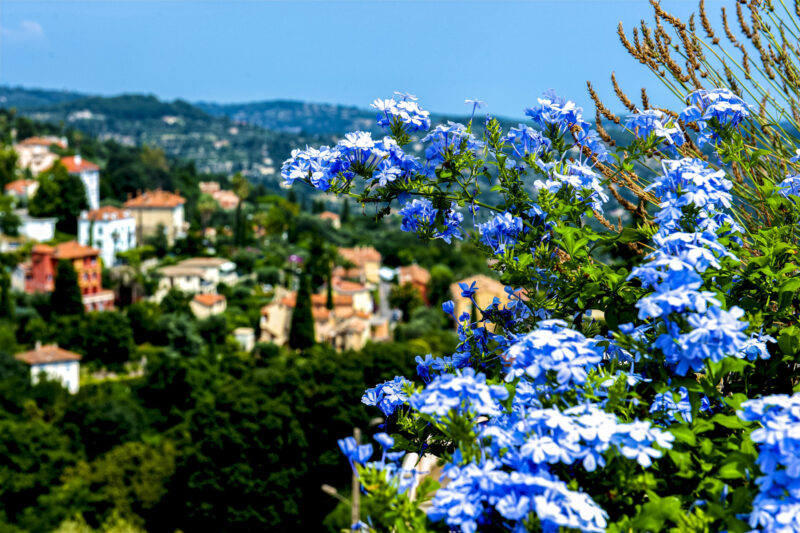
x=34, y=153
x=488, y=290
x=366, y=261
x=89, y=174
x=37, y=229
x=198, y=275
x=246, y=337
x=227, y=200
x=22, y=190
x=343, y=326
x=41, y=270
x=206, y=305
x=217, y=270
x=152, y=209
x=54, y=363
x=108, y=228
x=417, y=276
x=331, y=217
x=361, y=294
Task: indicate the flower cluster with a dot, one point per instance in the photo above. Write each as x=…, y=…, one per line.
x=583, y=181
x=692, y=196
x=526, y=141
x=712, y=110
x=776, y=509
x=419, y=216
x=553, y=354
x=450, y=142
x=653, y=121
x=389, y=395
x=665, y=404
x=501, y=231
x=405, y=113
x=464, y=392
x=382, y=162
x=790, y=186
x=558, y=113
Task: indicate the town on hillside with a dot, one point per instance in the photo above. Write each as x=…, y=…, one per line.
x=267, y=270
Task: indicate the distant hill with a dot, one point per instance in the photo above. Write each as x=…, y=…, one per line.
x=25, y=99
x=296, y=117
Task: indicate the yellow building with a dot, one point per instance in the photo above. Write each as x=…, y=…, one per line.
x=488, y=289
x=154, y=208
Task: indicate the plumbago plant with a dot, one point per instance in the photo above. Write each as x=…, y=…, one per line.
x=641, y=375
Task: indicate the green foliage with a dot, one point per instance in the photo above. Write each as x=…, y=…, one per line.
x=66, y=298
x=9, y=220
x=405, y=297
x=301, y=330
x=60, y=195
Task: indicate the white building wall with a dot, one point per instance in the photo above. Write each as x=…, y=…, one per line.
x=68, y=373
x=103, y=236
x=38, y=229
x=91, y=182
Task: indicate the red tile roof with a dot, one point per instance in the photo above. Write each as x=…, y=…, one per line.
x=413, y=274
x=361, y=255
x=42, y=141
x=107, y=212
x=328, y=215
x=74, y=250
x=156, y=199
x=209, y=300
x=49, y=353
x=76, y=163
x=19, y=186
x=348, y=286
x=43, y=249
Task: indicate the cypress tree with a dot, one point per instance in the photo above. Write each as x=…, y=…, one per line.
x=344, y=217
x=301, y=332
x=329, y=300
x=6, y=302
x=66, y=298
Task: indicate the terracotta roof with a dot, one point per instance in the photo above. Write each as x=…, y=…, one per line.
x=180, y=270
x=156, y=199
x=226, y=199
x=107, y=212
x=204, y=262
x=328, y=215
x=49, y=353
x=361, y=255
x=73, y=250
x=413, y=274
x=43, y=249
x=289, y=300
x=208, y=300
x=320, y=313
x=19, y=186
x=76, y=163
x=43, y=141
x=342, y=285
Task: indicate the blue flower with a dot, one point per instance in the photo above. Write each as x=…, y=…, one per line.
x=789, y=186
x=501, y=231
x=418, y=215
x=468, y=291
x=448, y=142
x=718, y=106
x=652, y=121
x=384, y=440
x=355, y=453
x=462, y=392
x=388, y=396
x=558, y=112
x=526, y=141
x=405, y=113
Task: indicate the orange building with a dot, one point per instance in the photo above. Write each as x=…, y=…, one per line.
x=416, y=276
x=40, y=272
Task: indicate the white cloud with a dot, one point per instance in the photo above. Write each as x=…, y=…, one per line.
x=27, y=31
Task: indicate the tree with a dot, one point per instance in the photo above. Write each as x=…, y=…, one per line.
x=301, y=332
x=109, y=338
x=344, y=217
x=9, y=220
x=241, y=188
x=206, y=206
x=406, y=297
x=8, y=166
x=159, y=240
x=60, y=195
x=66, y=298
x=6, y=300
x=439, y=284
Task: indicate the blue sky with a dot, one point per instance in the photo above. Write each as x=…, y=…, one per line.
x=338, y=51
